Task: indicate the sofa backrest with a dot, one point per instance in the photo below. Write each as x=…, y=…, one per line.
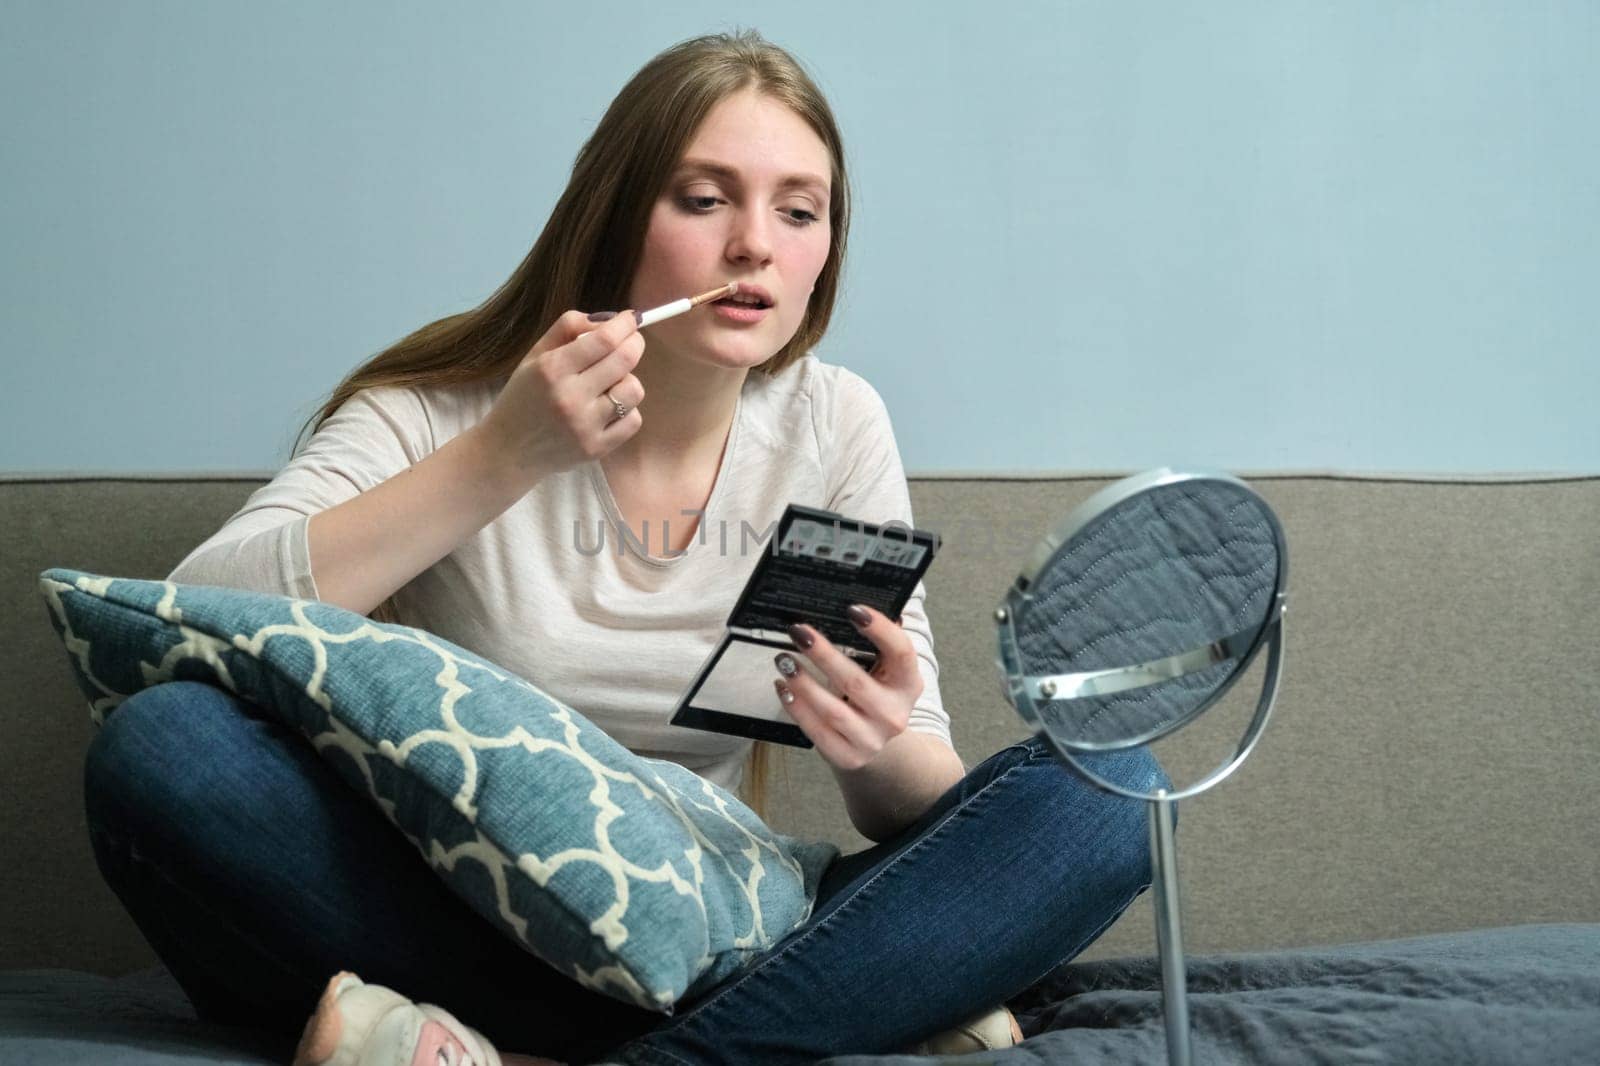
x=1437, y=723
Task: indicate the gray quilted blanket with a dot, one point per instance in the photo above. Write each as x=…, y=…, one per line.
x=1498, y=997
x=1526, y=994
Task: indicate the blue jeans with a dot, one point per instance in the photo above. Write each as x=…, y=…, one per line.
x=256, y=873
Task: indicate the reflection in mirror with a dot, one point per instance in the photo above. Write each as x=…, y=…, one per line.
x=1173, y=571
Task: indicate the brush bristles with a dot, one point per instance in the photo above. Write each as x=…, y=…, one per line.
x=730, y=289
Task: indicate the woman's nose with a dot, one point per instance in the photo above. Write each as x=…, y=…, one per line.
x=751, y=239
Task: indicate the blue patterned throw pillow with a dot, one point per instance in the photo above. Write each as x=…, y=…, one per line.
x=636, y=877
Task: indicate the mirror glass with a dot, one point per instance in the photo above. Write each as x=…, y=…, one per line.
x=1151, y=599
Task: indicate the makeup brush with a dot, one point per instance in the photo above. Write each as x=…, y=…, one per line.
x=678, y=307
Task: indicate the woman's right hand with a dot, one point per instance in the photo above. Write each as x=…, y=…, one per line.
x=552, y=414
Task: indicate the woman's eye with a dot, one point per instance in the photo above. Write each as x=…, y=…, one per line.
x=701, y=205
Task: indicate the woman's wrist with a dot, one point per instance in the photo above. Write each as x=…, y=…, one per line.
x=507, y=474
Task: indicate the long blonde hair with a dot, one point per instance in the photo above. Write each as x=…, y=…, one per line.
x=589, y=249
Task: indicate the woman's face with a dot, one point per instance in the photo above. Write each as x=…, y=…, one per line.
x=748, y=202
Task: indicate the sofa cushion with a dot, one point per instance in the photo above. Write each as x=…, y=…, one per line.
x=634, y=876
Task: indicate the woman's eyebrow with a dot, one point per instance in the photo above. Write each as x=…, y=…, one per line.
x=719, y=170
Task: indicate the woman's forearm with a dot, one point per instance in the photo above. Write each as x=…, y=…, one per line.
x=365, y=549
x=893, y=790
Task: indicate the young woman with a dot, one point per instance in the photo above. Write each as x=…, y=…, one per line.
x=456, y=483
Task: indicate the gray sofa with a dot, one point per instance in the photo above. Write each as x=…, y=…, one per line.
x=1425, y=770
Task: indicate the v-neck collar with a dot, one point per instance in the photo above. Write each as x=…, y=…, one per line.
x=608, y=499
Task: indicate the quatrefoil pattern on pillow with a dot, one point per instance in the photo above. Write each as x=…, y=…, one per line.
x=634, y=876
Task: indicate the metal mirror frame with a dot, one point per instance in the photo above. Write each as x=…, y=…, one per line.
x=1137, y=675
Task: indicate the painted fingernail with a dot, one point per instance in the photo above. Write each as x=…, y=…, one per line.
x=783, y=692
x=602, y=316
x=638, y=318
x=801, y=636
x=858, y=614
x=786, y=664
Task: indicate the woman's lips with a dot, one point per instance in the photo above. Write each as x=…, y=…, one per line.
x=732, y=312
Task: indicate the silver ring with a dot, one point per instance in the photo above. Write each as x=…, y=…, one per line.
x=618, y=410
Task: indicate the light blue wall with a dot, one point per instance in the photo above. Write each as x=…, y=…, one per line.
x=1259, y=236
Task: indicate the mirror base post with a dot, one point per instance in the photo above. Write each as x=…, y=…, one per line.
x=1169, y=934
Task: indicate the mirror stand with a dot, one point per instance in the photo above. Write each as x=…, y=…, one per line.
x=1110, y=639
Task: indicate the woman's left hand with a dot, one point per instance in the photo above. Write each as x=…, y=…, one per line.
x=864, y=711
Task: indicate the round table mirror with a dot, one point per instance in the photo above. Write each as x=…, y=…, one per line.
x=1131, y=618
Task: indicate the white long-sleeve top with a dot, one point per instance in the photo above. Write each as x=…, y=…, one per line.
x=618, y=633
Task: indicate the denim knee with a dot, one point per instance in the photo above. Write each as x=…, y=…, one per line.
x=140, y=760
x=1135, y=769
x=1121, y=823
